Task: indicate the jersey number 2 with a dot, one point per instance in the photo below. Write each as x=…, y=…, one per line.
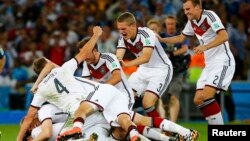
x=59, y=86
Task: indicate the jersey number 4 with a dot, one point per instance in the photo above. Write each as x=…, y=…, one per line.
x=59, y=86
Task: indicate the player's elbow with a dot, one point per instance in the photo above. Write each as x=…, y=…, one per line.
x=223, y=35
x=146, y=58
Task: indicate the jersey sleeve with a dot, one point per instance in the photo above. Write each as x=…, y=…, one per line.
x=188, y=30
x=37, y=100
x=70, y=65
x=215, y=21
x=45, y=112
x=113, y=63
x=148, y=37
x=121, y=43
x=85, y=70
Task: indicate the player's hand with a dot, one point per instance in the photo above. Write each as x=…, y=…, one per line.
x=199, y=49
x=33, y=89
x=123, y=64
x=97, y=30
x=159, y=37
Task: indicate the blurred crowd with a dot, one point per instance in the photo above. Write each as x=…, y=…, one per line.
x=51, y=28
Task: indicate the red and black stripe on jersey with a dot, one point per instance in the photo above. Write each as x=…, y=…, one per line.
x=137, y=48
x=202, y=28
x=100, y=72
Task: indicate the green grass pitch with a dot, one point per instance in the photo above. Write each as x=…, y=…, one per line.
x=9, y=131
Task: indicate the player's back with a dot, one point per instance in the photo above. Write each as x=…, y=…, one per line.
x=60, y=88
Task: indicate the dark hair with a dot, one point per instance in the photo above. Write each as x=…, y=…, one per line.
x=195, y=2
x=39, y=64
x=81, y=43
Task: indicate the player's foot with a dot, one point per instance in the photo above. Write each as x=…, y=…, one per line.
x=193, y=136
x=174, y=137
x=135, y=138
x=93, y=137
x=75, y=133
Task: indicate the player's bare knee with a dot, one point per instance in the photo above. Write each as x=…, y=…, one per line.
x=118, y=133
x=143, y=120
x=85, y=109
x=147, y=102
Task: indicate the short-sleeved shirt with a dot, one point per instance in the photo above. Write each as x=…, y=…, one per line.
x=102, y=72
x=206, y=29
x=61, y=88
x=146, y=38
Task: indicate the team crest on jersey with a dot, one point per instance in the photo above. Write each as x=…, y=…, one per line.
x=200, y=30
x=102, y=70
x=138, y=46
x=203, y=27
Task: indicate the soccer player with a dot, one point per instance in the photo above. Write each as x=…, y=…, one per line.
x=219, y=62
x=2, y=59
x=51, y=120
x=105, y=68
x=155, y=69
x=62, y=89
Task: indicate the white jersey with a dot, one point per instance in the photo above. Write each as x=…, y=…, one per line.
x=146, y=38
x=205, y=30
x=102, y=72
x=57, y=116
x=50, y=111
x=61, y=88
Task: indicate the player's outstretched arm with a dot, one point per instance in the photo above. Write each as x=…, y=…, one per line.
x=221, y=37
x=144, y=58
x=26, y=123
x=120, y=52
x=172, y=40
x=48, y=67
x=46, y=131
x=89, y=46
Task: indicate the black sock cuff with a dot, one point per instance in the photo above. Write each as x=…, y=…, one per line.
x=79, y=119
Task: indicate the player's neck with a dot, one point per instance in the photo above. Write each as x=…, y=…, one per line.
x=134, y=34
x=199, y=13
x=97, y=58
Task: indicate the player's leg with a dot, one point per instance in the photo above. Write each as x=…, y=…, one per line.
x=125, y=122
x=165, y=125
x=205, y=101
x=85, y=109
x=158, y=81
x=149, y=104
x=213, y=79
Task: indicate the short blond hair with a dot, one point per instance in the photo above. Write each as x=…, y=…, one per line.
x=126, y=17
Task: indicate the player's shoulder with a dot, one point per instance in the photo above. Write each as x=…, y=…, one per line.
x=108, y=56
x=145, y=31
x=209, y=13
